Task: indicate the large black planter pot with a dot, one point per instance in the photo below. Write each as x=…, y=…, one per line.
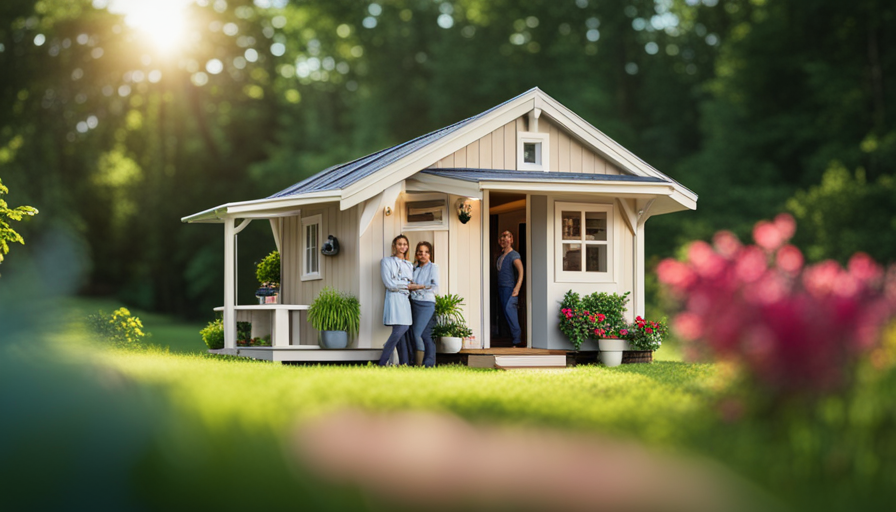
x=333, y=339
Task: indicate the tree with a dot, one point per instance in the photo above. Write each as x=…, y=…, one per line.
x=7, y=214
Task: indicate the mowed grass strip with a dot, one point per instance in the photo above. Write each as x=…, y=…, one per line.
x=651, y=402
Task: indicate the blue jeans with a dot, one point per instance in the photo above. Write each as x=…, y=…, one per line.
x=397, y=338
x=510, y=308
x=424, y=320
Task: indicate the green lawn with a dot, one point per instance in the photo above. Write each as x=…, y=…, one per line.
x=174, y=418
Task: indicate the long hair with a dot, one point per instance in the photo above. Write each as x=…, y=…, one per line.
x=432, y=256
x=395, y=241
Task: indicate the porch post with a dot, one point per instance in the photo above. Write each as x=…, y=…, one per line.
x=639, y=271
x=229, y=284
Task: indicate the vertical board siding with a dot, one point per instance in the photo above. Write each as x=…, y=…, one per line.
x=510, y=145
x=373, y=248
x=564, y=153
x=498, y=149
x=485, y=152
x=555, y=148
x=340, y=272
x=575, y=156
x=460, y=158
x=464, y=265
x=473, y=155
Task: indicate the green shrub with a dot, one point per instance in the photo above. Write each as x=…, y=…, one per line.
x=268, y=270
x=213, y=334
x=119, y=328
x=335, y=311
x=611, y=305
x=451, y=329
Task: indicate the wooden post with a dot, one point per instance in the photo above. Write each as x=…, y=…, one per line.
x=638, y=285
x=229, y=284
x=484, y=304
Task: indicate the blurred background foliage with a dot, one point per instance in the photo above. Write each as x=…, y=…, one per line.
x=116, y=120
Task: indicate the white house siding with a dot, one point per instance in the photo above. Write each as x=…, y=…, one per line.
x=465, y=263
x=498, y=150
x=546, y=291
x=339, y=272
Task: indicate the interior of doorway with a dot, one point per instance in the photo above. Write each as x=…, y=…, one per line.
x=507, y=212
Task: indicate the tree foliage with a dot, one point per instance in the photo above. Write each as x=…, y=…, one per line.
x=7, y=233
x=743, y=101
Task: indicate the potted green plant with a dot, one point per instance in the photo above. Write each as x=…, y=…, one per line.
x=268, y=273
x=450, y=326
x=335, y=315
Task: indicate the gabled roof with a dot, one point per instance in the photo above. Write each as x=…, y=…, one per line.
x=357, y=181
x=342, y=175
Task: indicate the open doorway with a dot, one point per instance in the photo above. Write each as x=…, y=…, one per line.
x=507, y=212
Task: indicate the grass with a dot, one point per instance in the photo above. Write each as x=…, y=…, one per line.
x=176, y=419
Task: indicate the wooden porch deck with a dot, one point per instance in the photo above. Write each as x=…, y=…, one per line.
x=501, y=358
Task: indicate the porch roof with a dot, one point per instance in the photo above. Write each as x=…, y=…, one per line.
x=480, y=175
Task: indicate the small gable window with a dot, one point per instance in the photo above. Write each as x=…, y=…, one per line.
x=532, y=154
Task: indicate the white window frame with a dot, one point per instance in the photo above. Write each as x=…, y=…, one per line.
x=542, y=139
x=424, y=226
x=583, y=276
x=314, y=220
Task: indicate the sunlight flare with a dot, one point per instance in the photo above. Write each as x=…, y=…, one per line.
x=162, y=21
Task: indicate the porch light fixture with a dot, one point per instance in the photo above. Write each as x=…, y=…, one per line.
x=388, y=211
x=464, y=210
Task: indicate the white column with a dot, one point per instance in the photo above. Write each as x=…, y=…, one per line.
x=484, y=270
x=280, y=336
x=229, y=284
x=638, y=285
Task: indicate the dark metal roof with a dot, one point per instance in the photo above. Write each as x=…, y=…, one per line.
x=477, y=175
x=343, y=175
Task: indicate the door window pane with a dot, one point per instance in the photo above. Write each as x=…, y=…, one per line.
x=596, y=258
x=572, y=257
x=572, y=225
x=596, y=226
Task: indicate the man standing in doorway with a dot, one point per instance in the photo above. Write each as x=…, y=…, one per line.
x=510, y=279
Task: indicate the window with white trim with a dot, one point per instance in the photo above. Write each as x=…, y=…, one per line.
x=533, y=151
x=311, y=236
x=583, y=235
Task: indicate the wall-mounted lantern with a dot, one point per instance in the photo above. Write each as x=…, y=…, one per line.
x=330, y=246
x=464, y=210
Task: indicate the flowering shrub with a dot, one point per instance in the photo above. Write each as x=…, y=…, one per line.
x=120, y=327
x=794, y=328
x=594, y=316
x=645, y=334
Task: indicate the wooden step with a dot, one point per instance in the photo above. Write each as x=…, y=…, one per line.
x=508, y=361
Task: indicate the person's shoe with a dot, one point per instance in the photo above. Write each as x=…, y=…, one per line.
x=419, y=357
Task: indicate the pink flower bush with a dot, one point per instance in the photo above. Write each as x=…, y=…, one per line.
x=794, y=327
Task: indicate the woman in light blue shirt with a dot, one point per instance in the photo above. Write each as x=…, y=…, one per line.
x=397, y=274
x=423, y=303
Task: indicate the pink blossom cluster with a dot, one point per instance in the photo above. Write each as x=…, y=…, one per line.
x=794, y=327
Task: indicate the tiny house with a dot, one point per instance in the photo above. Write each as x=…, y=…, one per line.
x=575, y=201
